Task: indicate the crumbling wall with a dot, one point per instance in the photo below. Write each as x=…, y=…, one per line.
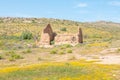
x=80, y=36
x=45, y=39
x=47, y=35
x=66, y=39
x=49, y=31
x=72, y=39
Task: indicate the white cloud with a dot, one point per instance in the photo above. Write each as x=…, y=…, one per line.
x=114, y=3
x=81, y=5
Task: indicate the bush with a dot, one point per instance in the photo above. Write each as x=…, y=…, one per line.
x=1, y=57
x=66, y=46
x=69, y=51
x=26, y=35
x=63, y=29
x=27, y=51
x=34, y=46
x=96, y=36
x=2, y=43
x=72, y=58
x=16, y=56
x=54, y=51
x=9, y=53
x=118, y=50
x=11, y=59
x=52, y=42
x=39, y=58
x=61, y=52
x=13, y=56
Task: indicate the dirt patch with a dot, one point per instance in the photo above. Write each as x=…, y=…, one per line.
x=104, y=57
x=110, y=59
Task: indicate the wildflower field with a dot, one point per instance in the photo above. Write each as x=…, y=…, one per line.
x=22, y=59
x=77, y=70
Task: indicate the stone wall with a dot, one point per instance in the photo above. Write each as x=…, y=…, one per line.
x=66, y=39
x=80, y=35
x=48, y=35
x=45, y=39
x=49, y=31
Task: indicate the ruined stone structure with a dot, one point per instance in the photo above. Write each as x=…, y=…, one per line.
x=48, y=35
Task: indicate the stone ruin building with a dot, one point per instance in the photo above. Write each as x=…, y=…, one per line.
x=48, y=36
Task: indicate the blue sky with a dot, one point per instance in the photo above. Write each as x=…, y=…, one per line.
x=78, y=10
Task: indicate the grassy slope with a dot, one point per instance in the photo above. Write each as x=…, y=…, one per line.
x=11, y=29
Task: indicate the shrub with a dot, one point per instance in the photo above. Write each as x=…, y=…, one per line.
x=118, y=50
x=34, y=46
x=11, y=59
x=96, y=36
x=61, y=52
x=63, y=29
x=52, y=42
x=64, y=46
x=69, y=51
x=27, y=51
x=54, y=51
x=2, y=43
x=1, y=57
x=26, y=35
x=16, y=56
x=9, y=53
x=39, y=58
x=13, y=56
x=72, y=58
x=67, y=45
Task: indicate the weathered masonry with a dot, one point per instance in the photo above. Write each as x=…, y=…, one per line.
x=48, y=35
